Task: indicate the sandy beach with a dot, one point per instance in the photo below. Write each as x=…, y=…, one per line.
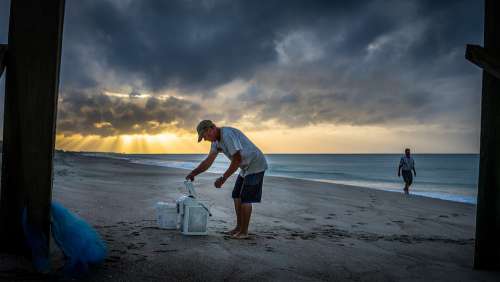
x=302, y=231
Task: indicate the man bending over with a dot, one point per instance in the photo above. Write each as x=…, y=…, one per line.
x=244, y=155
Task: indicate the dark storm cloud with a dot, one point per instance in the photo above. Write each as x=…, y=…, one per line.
x=308, y=62
x=98, y=114
x=308, y=100
x=193, y=44
x=187, y=44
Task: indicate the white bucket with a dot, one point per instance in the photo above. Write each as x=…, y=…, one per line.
x=193, y=217
x=166, y=215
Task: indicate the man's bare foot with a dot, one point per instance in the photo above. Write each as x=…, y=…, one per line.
x=240, y=236
x=234, y=231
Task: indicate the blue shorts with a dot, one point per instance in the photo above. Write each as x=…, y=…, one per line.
x=249, y=188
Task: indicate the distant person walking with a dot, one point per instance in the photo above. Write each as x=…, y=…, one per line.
x=244, y=155
x=406, y=165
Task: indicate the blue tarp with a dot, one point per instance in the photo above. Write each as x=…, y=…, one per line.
x=79, y=242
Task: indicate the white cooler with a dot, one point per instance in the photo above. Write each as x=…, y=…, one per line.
x=166, y=215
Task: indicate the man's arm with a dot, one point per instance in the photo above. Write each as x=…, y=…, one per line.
x=203, y=166
x=235, y=163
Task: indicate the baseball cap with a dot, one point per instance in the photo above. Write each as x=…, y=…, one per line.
x=202, y=126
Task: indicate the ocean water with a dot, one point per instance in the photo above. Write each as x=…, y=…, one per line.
x=450, y=177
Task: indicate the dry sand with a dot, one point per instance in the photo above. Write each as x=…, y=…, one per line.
x=302, y=231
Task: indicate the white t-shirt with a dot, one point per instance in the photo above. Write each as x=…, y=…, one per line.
x=233, y=140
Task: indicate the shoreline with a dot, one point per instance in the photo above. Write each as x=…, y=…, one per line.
x=326, y=181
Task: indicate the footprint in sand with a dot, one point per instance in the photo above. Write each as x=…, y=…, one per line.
x=309, y=218
x=398, y=221
x=308, y=237
x=112, y=259
x=348, y=212
x=118, y=251
x=328, y=217
x=165, y=251
x=149, y=227
x=269, y=249
x=444, y=216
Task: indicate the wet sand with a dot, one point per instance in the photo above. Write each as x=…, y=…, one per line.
x=302, y=231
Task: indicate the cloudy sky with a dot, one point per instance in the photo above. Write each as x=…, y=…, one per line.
x=296, y=76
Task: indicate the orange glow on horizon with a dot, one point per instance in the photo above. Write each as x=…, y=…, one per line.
x=310, y=140
x=131, y=144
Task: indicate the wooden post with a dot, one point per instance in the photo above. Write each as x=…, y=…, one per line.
x=487, y=60
x=32, y=85
x=487, y=251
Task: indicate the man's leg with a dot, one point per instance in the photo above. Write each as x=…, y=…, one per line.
x=251, y=193
x=237, y=204
x=246, y=212
x=237, y=209
x=409, y=182
x=406, y=179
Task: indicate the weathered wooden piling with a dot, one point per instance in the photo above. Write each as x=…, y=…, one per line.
x=487, y=249
x=32, y=82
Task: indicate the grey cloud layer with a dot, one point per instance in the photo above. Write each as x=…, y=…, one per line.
x=98, y=114
x=353, y=62
x=188, y=45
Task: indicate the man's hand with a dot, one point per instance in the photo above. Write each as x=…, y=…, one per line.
x=399, y=174
x=190, y=176
x=219, y=182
